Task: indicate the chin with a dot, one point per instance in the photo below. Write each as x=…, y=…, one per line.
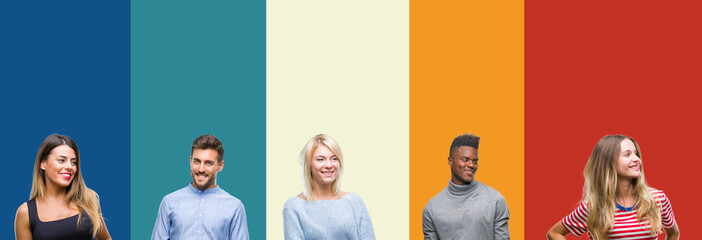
x=326, y=181
x=63, y=183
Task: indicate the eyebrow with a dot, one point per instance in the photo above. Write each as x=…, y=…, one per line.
x=63, y=156
x=203, y=160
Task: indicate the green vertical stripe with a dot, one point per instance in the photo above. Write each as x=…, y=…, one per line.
x=197, y=68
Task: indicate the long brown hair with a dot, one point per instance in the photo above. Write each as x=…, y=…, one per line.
x=601, y=189
x=84, y=198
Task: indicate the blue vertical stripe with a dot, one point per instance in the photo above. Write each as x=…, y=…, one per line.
x=64, y=67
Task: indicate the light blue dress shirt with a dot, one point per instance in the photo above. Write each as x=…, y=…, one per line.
x=190, y=213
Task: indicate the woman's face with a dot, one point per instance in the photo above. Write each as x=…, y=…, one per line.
x=629, y=164
x=60, y=167
x=325, y=165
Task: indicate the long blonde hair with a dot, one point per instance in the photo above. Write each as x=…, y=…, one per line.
x=306, y=157
x=601, y=189
x=84, y=198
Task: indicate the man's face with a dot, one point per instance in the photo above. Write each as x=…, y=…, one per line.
x=204, y=167
x=464, y=164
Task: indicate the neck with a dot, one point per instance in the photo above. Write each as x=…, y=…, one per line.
x=625, y=189
x=53, y=192
x=323, y=192
x=457, y=182
x=213, y=185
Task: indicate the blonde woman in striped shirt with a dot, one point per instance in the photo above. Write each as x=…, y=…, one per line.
x=618, y=204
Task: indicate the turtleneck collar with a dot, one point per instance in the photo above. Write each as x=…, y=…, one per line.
x=460, y=190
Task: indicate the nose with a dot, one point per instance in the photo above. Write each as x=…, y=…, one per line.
x=201, y=168
x=470, y=163
x=327, y=163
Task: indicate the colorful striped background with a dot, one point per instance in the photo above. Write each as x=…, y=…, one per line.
x=392, y=81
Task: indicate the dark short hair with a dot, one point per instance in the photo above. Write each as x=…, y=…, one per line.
x=466, y=139
x=209, y=142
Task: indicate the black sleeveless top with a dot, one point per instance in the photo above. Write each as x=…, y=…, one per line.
x=62, y=229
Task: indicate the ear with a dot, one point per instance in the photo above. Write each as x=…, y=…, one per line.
x=221, y=165
x=450, y=161
x=43, y=165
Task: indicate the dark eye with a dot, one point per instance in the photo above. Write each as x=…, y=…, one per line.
x=335, y=159
x=209, y=163
x=74, y=163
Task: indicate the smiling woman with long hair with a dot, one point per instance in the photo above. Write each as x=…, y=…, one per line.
x=322, y=210
x=618, y=204
x=60, y=205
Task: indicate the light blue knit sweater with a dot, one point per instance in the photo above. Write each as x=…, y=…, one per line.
x=345, y=218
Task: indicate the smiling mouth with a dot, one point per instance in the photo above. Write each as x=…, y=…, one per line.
x=65, y=175
x=328, y=173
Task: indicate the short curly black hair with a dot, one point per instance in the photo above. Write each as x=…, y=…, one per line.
x=467, y=139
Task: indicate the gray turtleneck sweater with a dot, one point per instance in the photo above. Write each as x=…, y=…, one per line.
x=473, y=211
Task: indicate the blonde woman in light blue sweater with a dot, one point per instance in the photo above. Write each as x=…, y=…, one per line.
x=322, y=210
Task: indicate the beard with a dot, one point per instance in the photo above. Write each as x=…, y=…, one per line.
x=210, y=181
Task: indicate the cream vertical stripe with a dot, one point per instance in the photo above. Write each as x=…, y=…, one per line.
x=340, y=68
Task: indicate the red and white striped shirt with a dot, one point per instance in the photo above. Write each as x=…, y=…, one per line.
x=625, y=224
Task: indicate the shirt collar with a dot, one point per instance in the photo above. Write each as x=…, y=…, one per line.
x=459, y=190
x=201, y=192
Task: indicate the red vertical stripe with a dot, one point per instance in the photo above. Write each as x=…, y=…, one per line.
x=614, y=67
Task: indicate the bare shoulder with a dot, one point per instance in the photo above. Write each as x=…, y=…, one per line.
x=22, y=228
x=22, y=211
x=22, y=217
